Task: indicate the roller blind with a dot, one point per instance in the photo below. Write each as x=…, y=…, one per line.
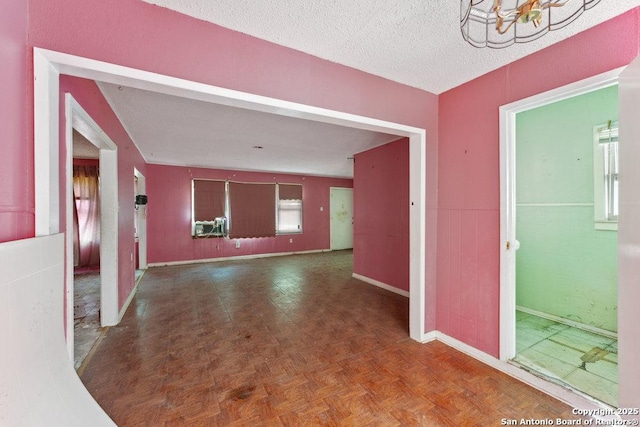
x=252, y=210
x=290, y=192
x=208, y=199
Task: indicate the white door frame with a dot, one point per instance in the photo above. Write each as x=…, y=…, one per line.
x=629, y=238
x=141, y=212
x=508, y=242
x=78, y=119
x=48, y=65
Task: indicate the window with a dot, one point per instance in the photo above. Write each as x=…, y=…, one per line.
x=605, y=184
x=208, y=208
x=244, y=210
x=289, y=215
x=252, y=210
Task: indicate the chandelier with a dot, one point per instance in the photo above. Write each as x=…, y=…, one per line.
x=501, y=23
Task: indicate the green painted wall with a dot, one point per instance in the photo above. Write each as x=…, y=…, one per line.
x=564, y=266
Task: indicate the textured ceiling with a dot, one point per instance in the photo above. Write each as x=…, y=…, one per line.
x=179, y=131
x=415, y=42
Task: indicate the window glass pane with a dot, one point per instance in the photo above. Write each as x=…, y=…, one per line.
x=614, y=206
x=289, y=216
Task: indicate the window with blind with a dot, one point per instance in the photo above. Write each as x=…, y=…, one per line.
x=243, y=210
x=252, y=210
x=605, y=168
x=289, y=213
x=209, y=207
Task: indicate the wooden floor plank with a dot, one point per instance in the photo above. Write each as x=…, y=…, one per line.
x=290, y=341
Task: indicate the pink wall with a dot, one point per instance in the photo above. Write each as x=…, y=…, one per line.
x=144, y=36
x=468, y=265
x=16, y=162
x=381, y=214
x=88, y=95
x=169, y=215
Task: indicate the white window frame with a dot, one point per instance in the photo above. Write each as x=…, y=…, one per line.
x=605, y=142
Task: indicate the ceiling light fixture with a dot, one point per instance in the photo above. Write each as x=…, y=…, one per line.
x=501, y=23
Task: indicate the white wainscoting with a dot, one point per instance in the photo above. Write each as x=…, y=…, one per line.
x=38, y=385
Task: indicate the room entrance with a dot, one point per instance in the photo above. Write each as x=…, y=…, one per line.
x=566, y=225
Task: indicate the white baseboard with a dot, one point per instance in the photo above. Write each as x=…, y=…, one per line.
x=429, y=336
x=569, y=396
x=568, y=322
x=125, y=306
x=232, y=258
x=380, y=284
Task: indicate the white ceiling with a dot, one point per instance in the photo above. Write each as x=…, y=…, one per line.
x=178, y=131
x=414, y=42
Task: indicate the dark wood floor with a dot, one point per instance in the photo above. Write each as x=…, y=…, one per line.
x=289, y=341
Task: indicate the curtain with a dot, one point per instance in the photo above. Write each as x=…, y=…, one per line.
x=86, y=216
x=252, y=209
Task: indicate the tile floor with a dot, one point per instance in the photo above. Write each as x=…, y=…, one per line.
x=586, y=361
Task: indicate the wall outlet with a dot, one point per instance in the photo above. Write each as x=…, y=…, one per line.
x=321, y=208
x=237, y=244
x=290, y=240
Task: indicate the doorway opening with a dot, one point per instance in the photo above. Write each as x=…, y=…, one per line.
x=566, y=265
x=104, y=300
x=49, y=64
x=86, y=246
x=140, y=224
x=509, y=240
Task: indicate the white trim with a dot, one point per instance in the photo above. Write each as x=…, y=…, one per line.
x=126, y=304
x=605, y=225
x=429, y=336
x=417, y=232
x=46, y=155
x=68, y=238
x=380, y=284
x=49, y=64
x=77, y=118
x=507, y=194
x=568, y=322
x=554, y=205
x=567, y=395
x=234, y=258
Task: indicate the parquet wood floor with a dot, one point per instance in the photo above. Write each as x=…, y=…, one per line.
x=289, y=341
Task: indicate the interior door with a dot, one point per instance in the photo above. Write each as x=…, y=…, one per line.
x=341, y=213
